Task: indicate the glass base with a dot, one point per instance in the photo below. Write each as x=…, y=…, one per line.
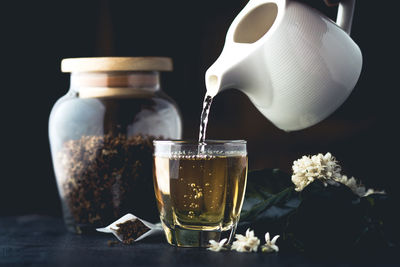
x=181, y=237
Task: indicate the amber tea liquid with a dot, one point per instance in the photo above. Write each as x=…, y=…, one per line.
x=200, y=186
x=200, y=193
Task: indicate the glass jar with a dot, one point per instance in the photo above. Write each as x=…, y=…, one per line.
x=101, y=135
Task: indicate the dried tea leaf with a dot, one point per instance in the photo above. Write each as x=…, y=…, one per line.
x=103, y=177
x=129, y=229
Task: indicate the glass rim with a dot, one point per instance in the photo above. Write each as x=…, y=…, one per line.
x=194, y=148
x=196, y=142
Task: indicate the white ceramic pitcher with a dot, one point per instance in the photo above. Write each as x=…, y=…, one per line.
x=295, y=64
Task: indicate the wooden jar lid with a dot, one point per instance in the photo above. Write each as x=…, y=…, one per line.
x=93, y=64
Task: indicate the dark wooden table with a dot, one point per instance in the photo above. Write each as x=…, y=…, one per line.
x=43, y=240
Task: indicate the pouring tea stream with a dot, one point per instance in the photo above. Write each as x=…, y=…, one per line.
x=295, y=64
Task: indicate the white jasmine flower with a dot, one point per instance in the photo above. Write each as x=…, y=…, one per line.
x=357, y=187
x=308, y=169
x=246, y=243
x=217, y=246
x=352, y=183
x=270, y=244
x=373, y=191
x=325, y=168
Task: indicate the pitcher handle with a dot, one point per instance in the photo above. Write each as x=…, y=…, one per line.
x=345, y=15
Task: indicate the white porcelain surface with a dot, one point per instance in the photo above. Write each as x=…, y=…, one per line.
x=298, y=73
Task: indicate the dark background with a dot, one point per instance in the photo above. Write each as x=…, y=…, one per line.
x=36, y=35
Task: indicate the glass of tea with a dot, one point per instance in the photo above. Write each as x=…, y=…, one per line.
x=199, y=189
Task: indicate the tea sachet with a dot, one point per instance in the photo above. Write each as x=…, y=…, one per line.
x=129, y=229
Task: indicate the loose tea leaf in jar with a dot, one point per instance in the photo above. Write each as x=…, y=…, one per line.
x=102, y=171
x=103, y=177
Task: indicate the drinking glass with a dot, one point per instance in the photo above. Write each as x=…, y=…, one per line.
x=199, y=189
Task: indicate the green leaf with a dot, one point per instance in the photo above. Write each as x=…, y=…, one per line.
x=381, y=222
x=270, y=196
x=323, y=218
x=279, y=201
x=262, y=185
x=328, y=219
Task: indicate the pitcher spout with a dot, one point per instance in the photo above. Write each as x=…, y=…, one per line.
x=243, y=70
x=213, y=83
x=219, y=76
